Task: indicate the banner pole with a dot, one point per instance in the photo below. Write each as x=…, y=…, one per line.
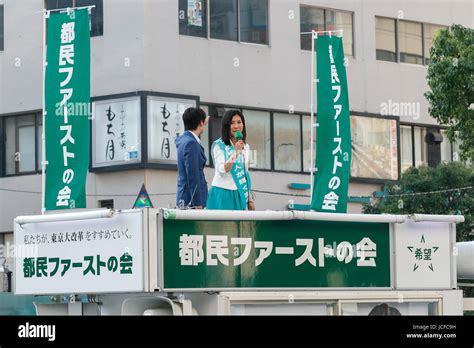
x=43, y=138
x=313, y=80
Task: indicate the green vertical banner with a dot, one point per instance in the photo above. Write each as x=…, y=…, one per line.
x=67, y=104
x=333, y=135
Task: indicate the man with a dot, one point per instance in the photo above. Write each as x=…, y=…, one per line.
x=192, y=185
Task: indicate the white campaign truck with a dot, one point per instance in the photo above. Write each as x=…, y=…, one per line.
x=175, y=262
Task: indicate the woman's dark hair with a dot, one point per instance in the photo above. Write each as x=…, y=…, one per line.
x=192, y=117
x=227, y=121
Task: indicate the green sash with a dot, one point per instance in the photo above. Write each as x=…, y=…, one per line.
x=238, y=171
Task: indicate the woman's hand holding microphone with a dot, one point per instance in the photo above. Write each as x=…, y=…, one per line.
x=239, y=148
x=239, y=145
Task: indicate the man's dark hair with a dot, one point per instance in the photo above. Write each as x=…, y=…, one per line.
x=192, y=117
x=227, y=121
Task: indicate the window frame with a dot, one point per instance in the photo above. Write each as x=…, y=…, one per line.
x=237, y=18
x=303, y=115
x=397, y=34
x=144, y=163
x=445, y=137
x=424, y=40
x=426, y=127
x=208, y=26
x=214, y=106
x=300, y=122
x=272, y=138
x=362, y=180
x=325, y=9
x=101, y=31
x=300, y=114
x=397, y=39
x=37, y=143
x=92, y=34
x=412, y=138
x=106, y=203
x=239, y=27
x=206, y=30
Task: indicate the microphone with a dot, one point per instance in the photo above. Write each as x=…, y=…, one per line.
x=238, y=136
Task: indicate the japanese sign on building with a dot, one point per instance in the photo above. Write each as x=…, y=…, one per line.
x=333, y=149
x=424, y=255
x=67, y=103
x=275, y=254
x=87, y=256
x=165, y=117
x=116, y=131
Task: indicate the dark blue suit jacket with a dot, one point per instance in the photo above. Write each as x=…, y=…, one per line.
x=192, y=183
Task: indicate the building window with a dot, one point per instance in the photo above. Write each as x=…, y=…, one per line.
x=214, y=128
x=374, y=148
x=429, y=32
x=306, y=144
x=57, y=4
x=215, y=122
x=406, y=147
x=337, y=20
x=232, y=20
x=193, y=18
x=404, y=41
x=287, y=142
x=2, y=28
x=385, y=39
x=254, y=21
x=417, y=151
x=258, y=127
x=410, y=42
x=318, y=19
x=446, y=148
x=421, y=150
x=223, y=19
x=259, y=138
x=311, y=18
x=97, y=14
x=21, y=144
x=106, y=203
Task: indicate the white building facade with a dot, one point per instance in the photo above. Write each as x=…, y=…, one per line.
x=152, y=58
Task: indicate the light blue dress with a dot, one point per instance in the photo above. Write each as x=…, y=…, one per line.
x=220, y=198
x=223, y=199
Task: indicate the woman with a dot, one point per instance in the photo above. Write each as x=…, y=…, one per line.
x=230, y=188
